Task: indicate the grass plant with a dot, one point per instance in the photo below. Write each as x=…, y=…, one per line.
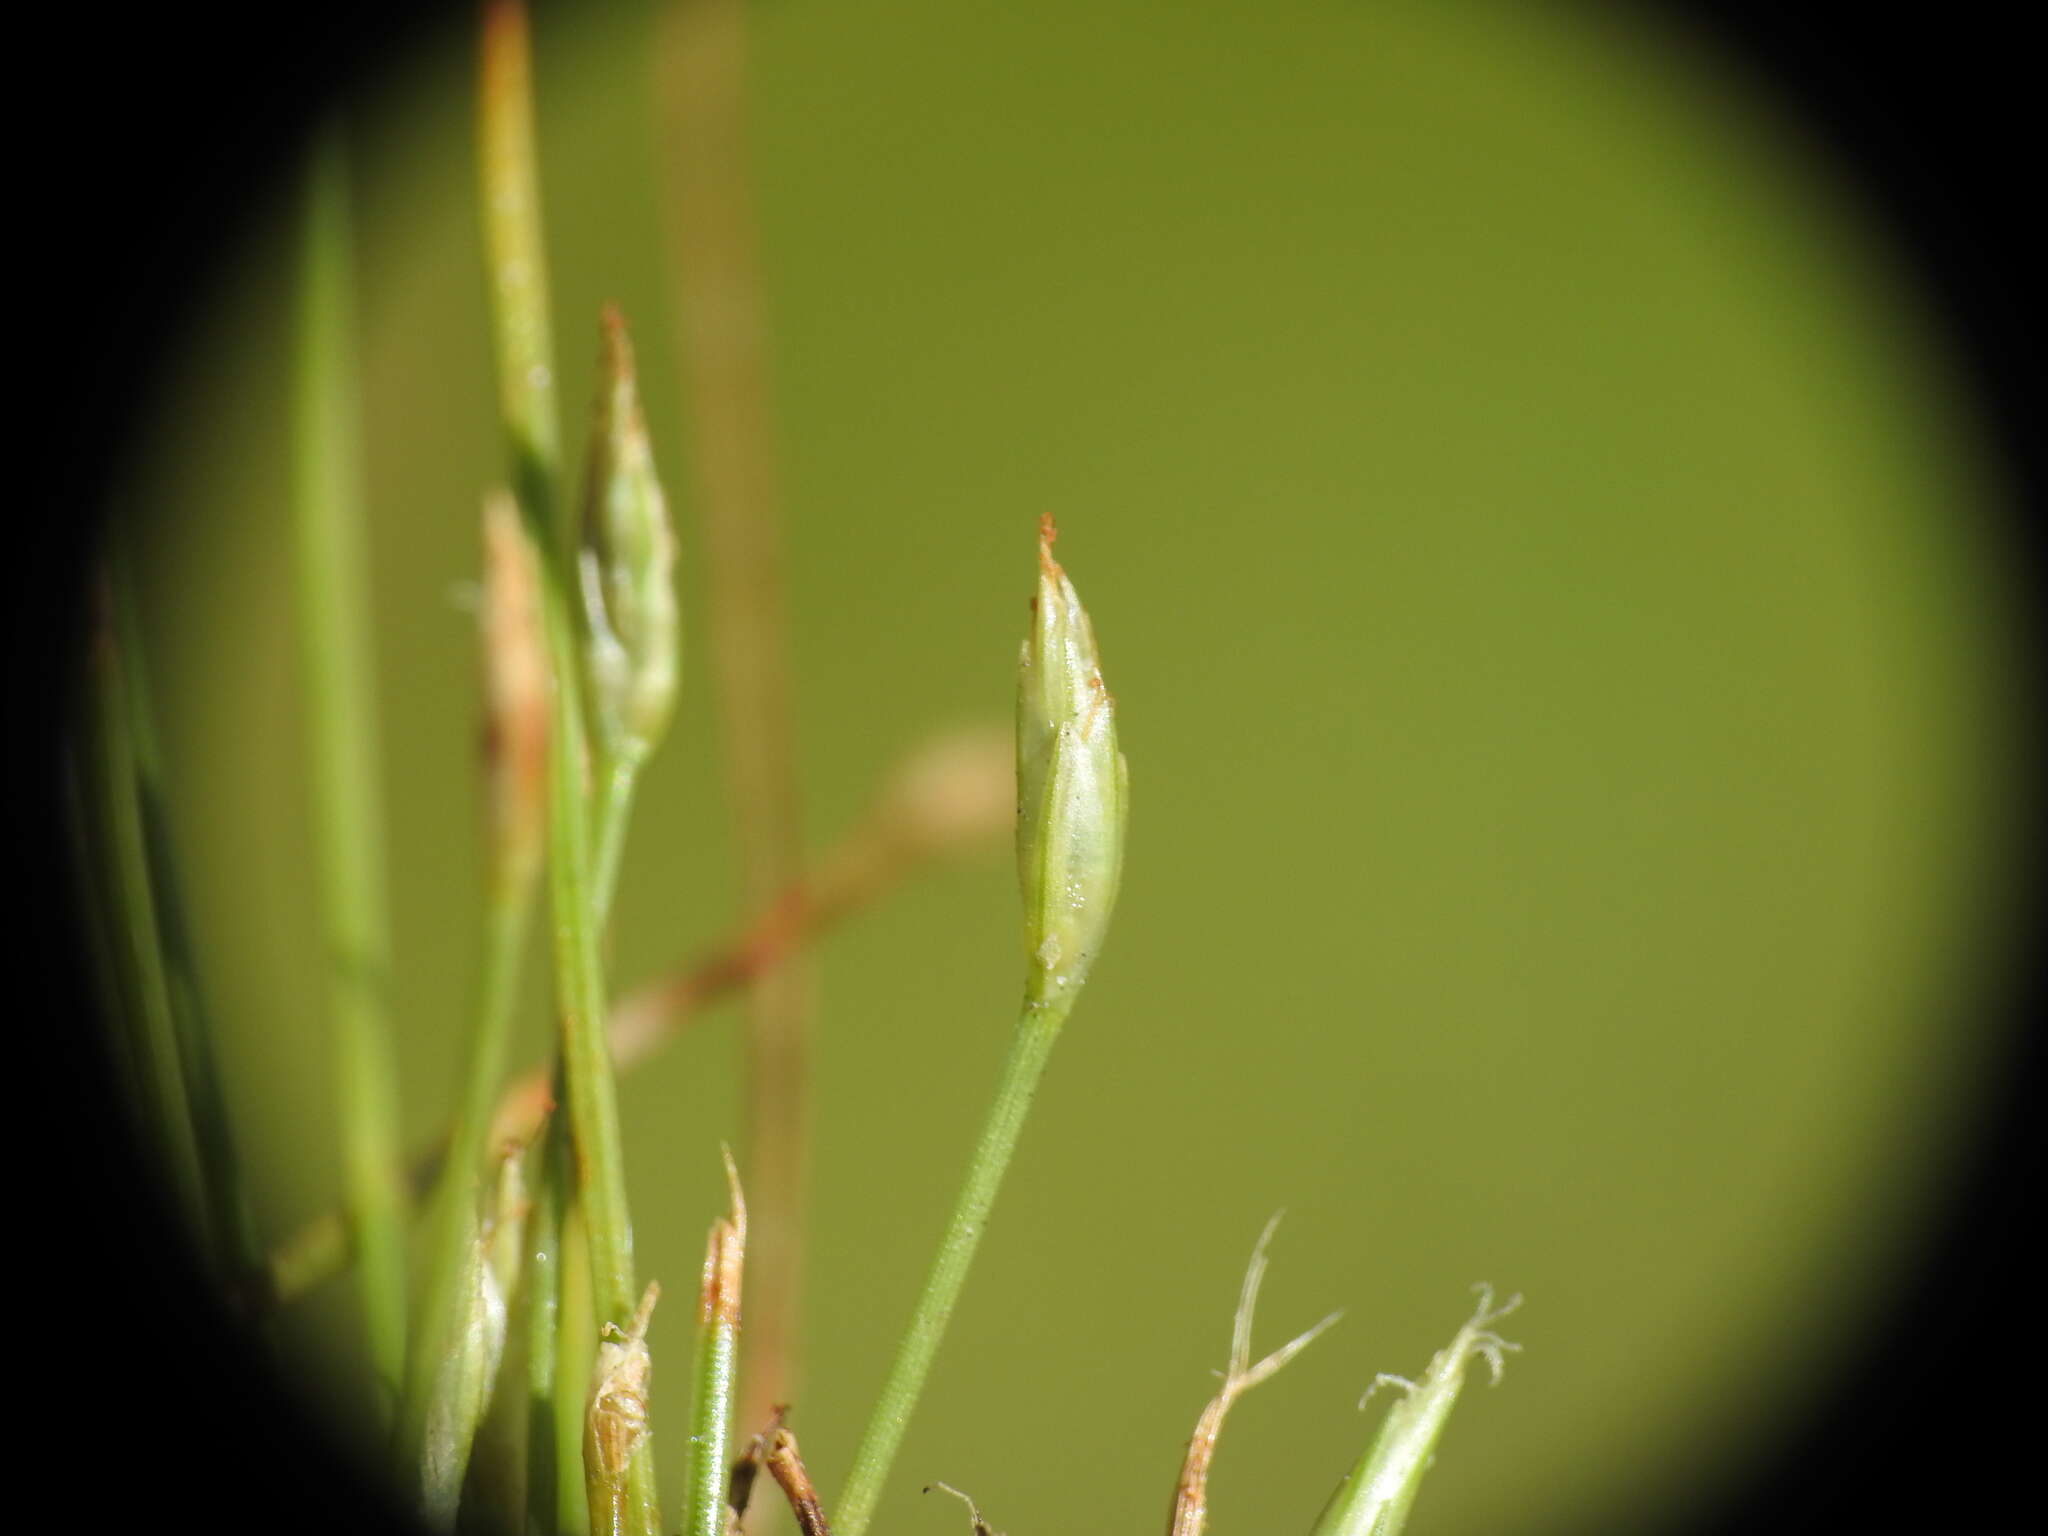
x=525, y=1243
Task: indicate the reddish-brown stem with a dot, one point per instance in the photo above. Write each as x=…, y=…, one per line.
x=719, y=307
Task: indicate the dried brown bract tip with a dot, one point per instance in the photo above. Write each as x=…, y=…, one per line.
x=725, y=1257
x=739, y=1488
x=1191, y=1492
x=786, y=1465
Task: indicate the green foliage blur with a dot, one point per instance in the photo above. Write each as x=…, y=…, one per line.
x=1529, y=528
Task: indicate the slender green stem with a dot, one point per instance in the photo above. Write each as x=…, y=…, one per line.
x=589, y=1090
x=348, y=840
x=717, y=1369
x=238, y=1257
x=575, y=1353
x=586, y=1058
x=560, y=1267
x=541, y=1294
x=517, y=270
x=1029, y=1052
x=614, y=814
x=526, y=378
x=555, y=1394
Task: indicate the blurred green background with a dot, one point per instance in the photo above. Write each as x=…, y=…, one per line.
x=1530, y=532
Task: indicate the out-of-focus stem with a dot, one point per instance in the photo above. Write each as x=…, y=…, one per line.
x=720, y=312
x=342, y=754
x=516, y=267
x=238, y=1258
x=141, y=992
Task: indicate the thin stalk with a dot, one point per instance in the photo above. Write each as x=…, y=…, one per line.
x=720, y=311
x=575, y=1352
x=238, y=1257
x=614, y=814
x=340, y=719
x=589, y=1090
x=554, y=1336
x=546, y=1261
x=716, y=1367
x=562, y=1333
x=517, y=269
x=526, y=379
x=1029, y=1052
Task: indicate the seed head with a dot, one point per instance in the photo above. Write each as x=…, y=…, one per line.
x=631, y=632
x=1072, y=787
